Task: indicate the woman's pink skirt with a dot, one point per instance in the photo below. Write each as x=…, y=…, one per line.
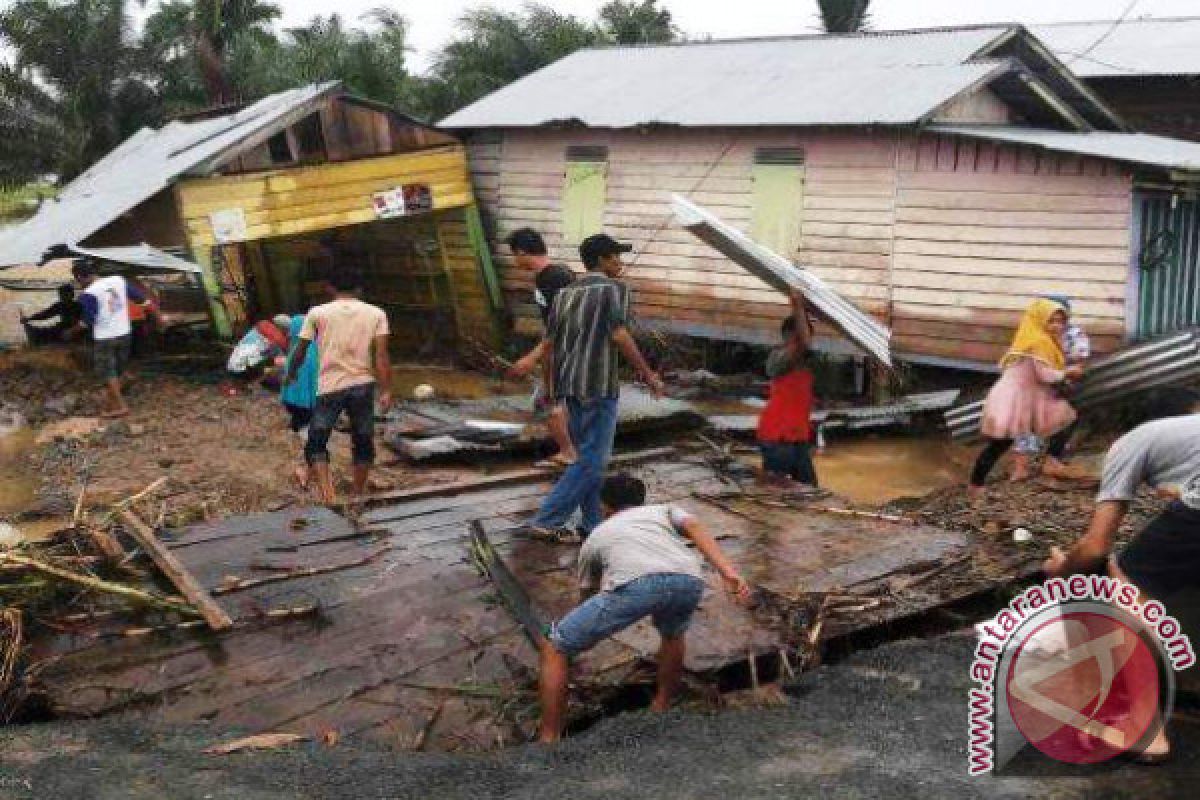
x=1020, y=404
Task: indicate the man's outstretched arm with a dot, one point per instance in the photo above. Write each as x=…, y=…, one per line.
x=708, y=547
x=633, y=354
x=1092, y=549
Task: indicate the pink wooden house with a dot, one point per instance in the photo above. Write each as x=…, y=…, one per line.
x=940, y=179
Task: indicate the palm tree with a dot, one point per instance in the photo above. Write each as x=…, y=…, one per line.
x=194, y=40
x=369, y=60
x=495, y=48
x=74, y=86
x=844, y=16
x=634, y=22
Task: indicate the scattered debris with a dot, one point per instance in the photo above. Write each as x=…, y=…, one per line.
x=261, y=741
x=175, y=571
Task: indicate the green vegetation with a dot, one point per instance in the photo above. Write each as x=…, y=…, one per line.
x=76, y=78
x=21, y=201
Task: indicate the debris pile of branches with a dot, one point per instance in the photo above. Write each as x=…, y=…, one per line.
x=85, y=573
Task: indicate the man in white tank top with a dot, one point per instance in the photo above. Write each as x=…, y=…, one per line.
x=105, y=303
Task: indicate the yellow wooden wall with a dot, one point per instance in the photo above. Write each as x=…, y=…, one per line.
x=291, y=201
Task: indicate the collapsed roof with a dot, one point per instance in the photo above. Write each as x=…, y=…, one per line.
x=148, y=162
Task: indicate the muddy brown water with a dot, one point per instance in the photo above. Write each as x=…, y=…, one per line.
x=17, y=481
x=452, y=384
x=18, y=484
x=878, y=469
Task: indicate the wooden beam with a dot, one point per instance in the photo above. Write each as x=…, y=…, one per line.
x=174, y=569
x=507, y=479
x=515, y=597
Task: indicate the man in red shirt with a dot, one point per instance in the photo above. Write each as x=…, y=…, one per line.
x=785, y=429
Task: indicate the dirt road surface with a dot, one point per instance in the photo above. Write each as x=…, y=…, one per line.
x=886, y=723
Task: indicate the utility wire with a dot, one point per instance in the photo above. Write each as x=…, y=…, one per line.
x=1109, y=32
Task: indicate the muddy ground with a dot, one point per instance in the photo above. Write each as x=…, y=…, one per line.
x=222, y=453
x=886, y=723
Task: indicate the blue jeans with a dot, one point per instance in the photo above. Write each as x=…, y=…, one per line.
x=668, y=598
x=593, y=424
x=793, y=459
x=359, y=404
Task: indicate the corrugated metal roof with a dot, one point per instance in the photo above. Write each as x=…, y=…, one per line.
x=1134, y=47
x=143, y=165
x=1134, y=148
x=142, y=256
x=884, y=78
x=776, y=271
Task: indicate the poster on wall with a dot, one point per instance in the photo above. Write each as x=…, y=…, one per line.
x=411, y=198
x=228, y=225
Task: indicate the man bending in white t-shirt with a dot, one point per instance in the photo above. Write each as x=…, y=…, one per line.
x=635, y=564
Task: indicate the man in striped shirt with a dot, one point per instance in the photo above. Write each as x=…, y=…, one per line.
x=586, y=328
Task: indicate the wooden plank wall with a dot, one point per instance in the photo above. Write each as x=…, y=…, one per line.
x=983, y=227
x=945, y=238
x=471, y=303
x=681, y=283
x=285, y=202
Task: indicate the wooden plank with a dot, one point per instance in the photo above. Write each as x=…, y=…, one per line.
x=877, y=203
x=1029, y=220
x=516, y=599
x=326, y=221
x=1109, y=238
x=848, y=230
x=266, y=199
x=1010, y=201
x=839, y=245
x=324, y=175
x=1063, y=185
x=1008, y=318
x=1016, y=252
x=173, y=568
x=1078, y=288
x=506, y=479
x=846, y=216
x=1113, y=309
x=356, y=197
x=1104, y=273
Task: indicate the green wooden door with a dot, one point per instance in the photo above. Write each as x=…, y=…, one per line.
x=584, y=188
x=777, y=197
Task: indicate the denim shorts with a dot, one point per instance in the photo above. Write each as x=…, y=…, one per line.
x=359, y=404
x=112, y=356
x=669, y=599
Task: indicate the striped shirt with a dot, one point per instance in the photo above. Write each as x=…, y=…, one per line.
x=580, y=328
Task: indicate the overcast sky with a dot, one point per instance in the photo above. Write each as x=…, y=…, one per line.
x=433, y=21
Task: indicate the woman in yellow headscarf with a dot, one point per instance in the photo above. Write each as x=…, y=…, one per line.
x=1025, y=399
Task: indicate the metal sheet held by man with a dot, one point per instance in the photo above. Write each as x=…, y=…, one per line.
x=1165, y=361
x=861, y=328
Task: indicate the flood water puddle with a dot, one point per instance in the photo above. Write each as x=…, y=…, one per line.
x=452, y=384
x=17, y=481
x=878, y=469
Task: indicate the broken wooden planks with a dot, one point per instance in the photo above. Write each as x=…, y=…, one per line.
x=175, y=571
x=515, y=597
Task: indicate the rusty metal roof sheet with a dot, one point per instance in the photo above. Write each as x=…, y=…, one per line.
x=145, y=164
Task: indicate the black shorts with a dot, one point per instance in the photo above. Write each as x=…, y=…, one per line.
x=1165, y=556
